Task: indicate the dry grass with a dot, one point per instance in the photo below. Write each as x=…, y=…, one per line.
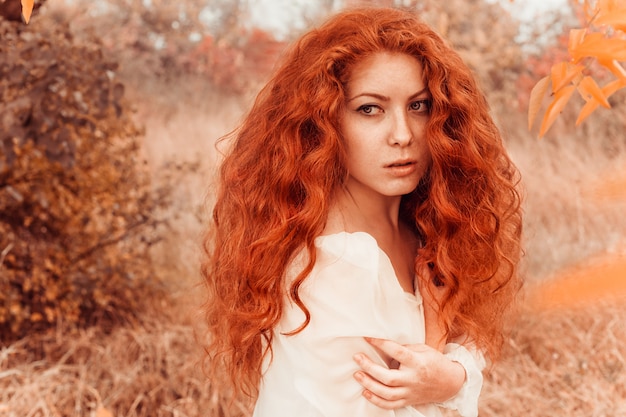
x=562, y=363
x=142, y=372
x=571, y=210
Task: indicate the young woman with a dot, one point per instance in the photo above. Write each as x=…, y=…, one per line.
x=366, y=231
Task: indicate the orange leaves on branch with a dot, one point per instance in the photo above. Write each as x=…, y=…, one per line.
x=602, y=41
x=562, y=76
x=594, y=97
x=564, y=73
x=593, y=103
x=27, y=9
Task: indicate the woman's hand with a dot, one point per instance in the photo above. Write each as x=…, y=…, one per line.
x=423, y=375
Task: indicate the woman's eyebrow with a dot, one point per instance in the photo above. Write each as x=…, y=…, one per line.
x=419, y=93
x=374, y=95
x=385, y=98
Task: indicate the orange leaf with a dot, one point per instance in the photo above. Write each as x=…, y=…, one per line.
x=554, y=109
x=589, y=39
x=586, y=111
x=593, y=104
x=564, y=73
x=605, y=6
x=615, y=68
x=610, y=13
x=603, y=49
x=589, y=89
x=612, y=87
x=616, y=19
x=27, y=9
x=576, y=37
x=536, y=97
x=621, y=27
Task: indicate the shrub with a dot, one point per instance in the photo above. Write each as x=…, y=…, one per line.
x=75, y=202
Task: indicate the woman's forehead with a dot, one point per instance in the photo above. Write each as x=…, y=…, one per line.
x=379, y=70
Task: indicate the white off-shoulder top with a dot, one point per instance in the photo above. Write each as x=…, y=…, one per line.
x=351, y=293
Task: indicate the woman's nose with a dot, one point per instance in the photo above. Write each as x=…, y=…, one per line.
x=401, y=133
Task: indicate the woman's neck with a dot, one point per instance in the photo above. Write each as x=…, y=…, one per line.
x=351, y=212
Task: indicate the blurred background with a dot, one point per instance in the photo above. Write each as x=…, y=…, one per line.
x=109, y=118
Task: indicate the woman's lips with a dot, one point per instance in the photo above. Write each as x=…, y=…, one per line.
x=402, y=168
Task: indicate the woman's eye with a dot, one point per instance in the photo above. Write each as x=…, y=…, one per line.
x=367, y=109
x=420, y=105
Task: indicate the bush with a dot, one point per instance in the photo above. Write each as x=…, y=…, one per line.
x=75, y=203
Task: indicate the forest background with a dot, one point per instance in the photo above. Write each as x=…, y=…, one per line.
x=109, y=118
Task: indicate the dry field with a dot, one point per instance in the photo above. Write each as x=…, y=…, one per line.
x=566, y=354
x=567, y=360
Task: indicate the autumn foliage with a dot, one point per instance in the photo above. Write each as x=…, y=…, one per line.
x=236, y=66
x=603, y=42
x=75, y=206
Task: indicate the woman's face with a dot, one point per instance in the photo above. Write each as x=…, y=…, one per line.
x=383, y=124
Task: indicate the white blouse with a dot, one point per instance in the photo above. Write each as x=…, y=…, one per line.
x=351, y=293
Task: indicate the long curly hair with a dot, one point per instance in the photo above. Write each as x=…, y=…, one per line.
x=287, y=159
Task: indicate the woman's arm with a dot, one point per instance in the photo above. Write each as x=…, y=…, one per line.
x=424, y=375
x=452, y=379
x=347, y=300
x=449, y=375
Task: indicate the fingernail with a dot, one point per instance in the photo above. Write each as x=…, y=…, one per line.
x=358, y=357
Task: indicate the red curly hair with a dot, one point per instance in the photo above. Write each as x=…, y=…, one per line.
x=288, y=156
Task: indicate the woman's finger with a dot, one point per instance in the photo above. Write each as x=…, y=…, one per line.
x=382, y=403
x=381, y=373
x=384, y=392
x=401, y=353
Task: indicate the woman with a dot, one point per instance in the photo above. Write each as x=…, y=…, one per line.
x=366, y=230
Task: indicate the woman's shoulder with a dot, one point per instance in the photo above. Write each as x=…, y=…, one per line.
x=357, y=248
x=341, y=253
